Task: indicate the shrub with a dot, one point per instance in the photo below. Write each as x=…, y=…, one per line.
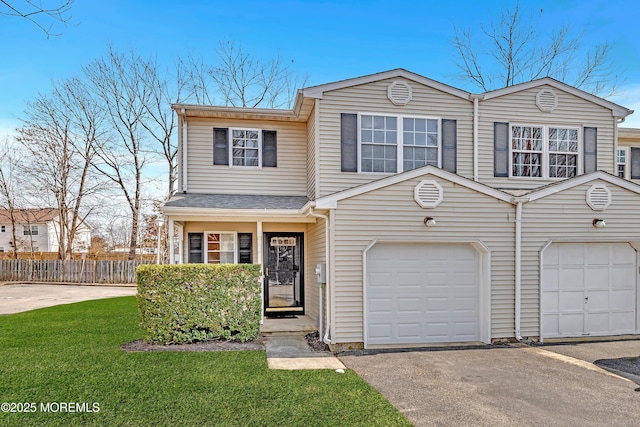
x=196, y=302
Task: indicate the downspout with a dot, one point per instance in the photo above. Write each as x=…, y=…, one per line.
x=476, y=119
x=184, y=150
x=518, y=266
x=327, y=232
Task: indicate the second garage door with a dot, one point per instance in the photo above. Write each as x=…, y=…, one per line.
x=588, y=289
x=422, y=293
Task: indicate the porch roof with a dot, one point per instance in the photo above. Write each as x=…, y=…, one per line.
x=236, y=201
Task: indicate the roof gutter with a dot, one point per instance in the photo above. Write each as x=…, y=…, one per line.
x=326, y=339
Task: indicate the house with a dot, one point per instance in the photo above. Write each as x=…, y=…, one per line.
x=395, y=210
x=38, y=230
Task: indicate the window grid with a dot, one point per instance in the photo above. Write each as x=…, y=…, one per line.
x=621, y=161
x=378, y=136
x=220, y=248
x=563, y=153
x=30, y=230
x=420, y=142
x=526, y=146
x=245, y=147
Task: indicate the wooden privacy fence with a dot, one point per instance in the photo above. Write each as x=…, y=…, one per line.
x=81, y=271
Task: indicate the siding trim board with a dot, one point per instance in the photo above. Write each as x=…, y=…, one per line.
x=331, y=201
x=579, y=180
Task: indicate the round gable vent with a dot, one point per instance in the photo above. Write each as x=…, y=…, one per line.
x=598, y=197
x=399, y=92
x=547, y=100
x=428, y=194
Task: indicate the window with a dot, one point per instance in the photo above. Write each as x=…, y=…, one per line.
x=378, y=138
x=30, y=230
x=245, y=147
x=621, y=162
x=220, y=248
x=420, y=143
x=563, y=153
x=35, y=249
x=390, y=143
x=544, y=152
x=3, y=228
x=1, y=249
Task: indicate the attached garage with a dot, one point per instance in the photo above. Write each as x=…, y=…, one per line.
x=589, y=289
x=417, y=293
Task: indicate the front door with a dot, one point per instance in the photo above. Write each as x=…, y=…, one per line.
x=283, y=274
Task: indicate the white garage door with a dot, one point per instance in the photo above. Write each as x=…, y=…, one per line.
x=588, y=289
x=422, y=293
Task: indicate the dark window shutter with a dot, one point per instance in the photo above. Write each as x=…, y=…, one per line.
x=269, y=148
x=195, y=248
x=349, y=142
x=220, y=146
x=635, y=162
x=590, y=149
x=245, y=252
x=449, y=145
x=500, y=149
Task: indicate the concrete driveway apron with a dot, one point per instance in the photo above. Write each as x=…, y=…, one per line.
x=24, y=297
x=507, y=386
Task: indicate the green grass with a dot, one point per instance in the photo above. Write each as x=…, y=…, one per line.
x=71, y=353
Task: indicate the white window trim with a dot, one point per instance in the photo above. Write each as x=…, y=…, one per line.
x=31, y=229
x=627, y=169
x=205, y=249
x=231, y=165
x=399, y=140
x=545, y=151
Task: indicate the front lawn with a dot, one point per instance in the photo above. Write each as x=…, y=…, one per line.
x=62, y=359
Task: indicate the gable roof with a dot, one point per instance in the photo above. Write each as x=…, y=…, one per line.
x=331, y=201
x=28, y=216
x=616, y=110
x=557, y=187
x=318, y=91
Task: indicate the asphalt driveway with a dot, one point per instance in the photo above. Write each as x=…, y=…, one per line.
x=514, y=386
x=24, y=297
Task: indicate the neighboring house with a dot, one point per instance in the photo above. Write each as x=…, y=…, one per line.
x=433, y=215
x=38, y=230
x=628, y=154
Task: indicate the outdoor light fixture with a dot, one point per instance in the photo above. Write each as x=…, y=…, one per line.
x=429, y=221
x=599, y=223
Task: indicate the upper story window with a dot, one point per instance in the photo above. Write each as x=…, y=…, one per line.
x=544, y=152
x=390, y=144
x=245, y=147
x=621, y=162
x=3, y=228
x=30, y=230
x=253, y=148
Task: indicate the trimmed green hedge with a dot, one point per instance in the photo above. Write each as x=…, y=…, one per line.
x=197, y=302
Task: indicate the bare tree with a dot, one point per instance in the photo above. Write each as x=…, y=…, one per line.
x=8, y=192
x=242, y=79
x=513, y=51
x=121, y=158
x=41, y=16
x=59, y=135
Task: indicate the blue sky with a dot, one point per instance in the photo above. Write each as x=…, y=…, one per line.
x=328, y=40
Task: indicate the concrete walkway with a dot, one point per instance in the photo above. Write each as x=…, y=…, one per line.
x=15, y=298
x=291, y=352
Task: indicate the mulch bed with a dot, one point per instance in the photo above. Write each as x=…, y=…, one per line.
x=313, y=339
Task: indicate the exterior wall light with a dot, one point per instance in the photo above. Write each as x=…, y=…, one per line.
x=599, y=223
x=429, y=221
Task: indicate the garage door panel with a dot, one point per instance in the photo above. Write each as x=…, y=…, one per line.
x=431, y=294
x=589, y=289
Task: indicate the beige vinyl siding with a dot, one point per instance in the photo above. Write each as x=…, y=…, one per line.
x=316, y=254
x=288, y=178
x=520, y=108
x=372, y=98
x=391, y=213
x=565, y=217
x=311, y=156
